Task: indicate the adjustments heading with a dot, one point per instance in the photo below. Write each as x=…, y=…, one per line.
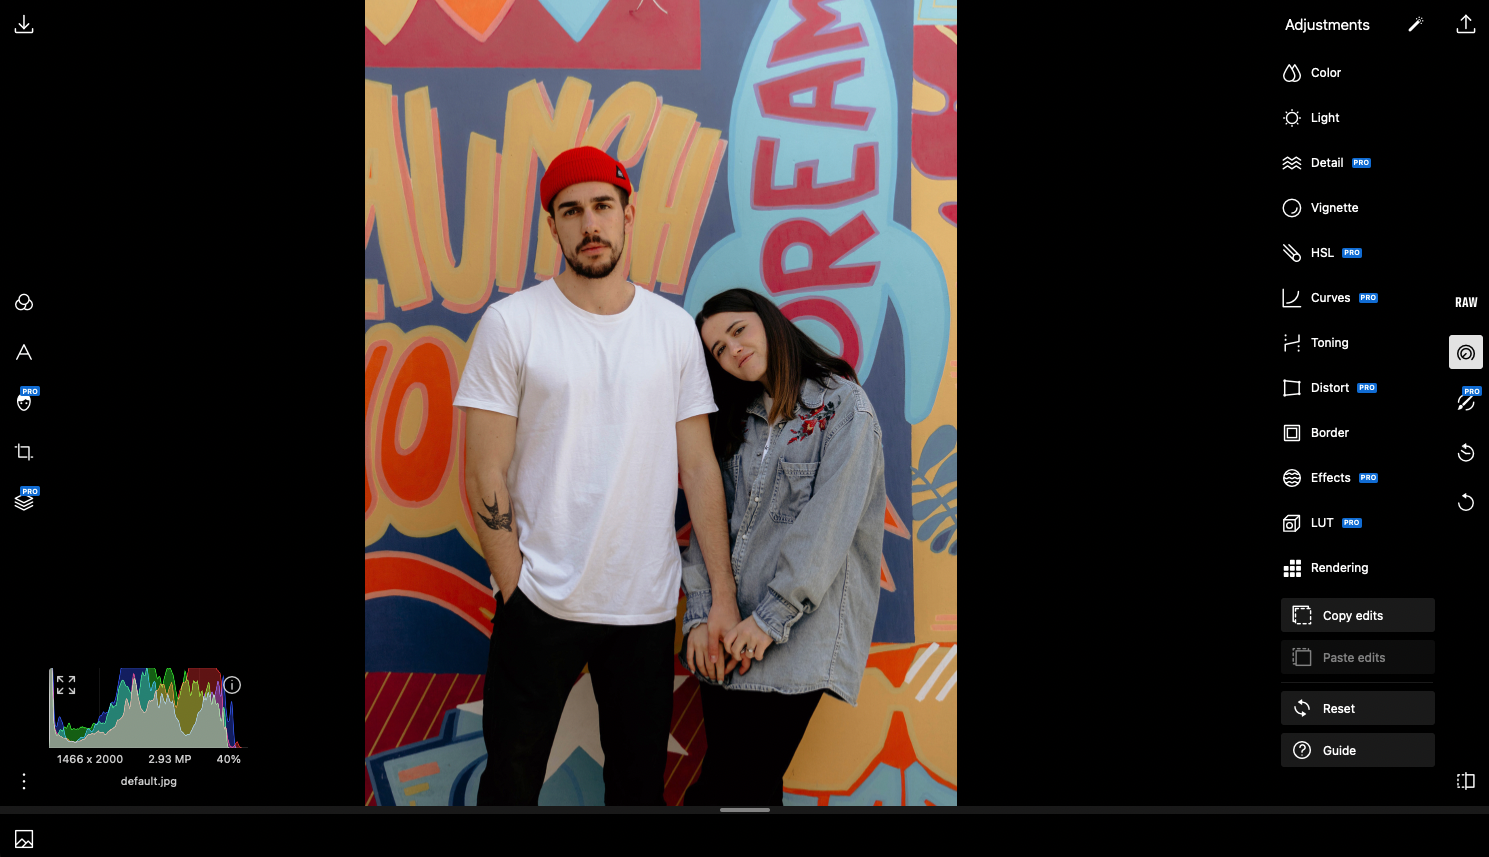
x=1303, y=25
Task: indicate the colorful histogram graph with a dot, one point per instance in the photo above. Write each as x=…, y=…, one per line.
x=143, y=709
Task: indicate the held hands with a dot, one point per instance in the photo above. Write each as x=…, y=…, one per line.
x=745, y=641
x=703, y=655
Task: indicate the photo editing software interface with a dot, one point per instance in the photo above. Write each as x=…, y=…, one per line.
x=1376, y=455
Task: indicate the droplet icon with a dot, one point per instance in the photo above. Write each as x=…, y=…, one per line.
x=1291, y=74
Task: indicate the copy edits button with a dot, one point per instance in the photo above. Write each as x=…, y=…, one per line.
x=1358, y=750
x=1369, y=298
x=1304, y=614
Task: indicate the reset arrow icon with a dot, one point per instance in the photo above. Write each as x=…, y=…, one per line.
x=1305, y=705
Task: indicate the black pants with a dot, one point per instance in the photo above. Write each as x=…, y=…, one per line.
x=752, y=736
x=533, y=661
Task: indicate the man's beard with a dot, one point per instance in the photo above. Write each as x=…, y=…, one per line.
x=601, y=268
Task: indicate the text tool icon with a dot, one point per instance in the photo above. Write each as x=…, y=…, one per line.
x=1290, y=303
x=1291, y=73
x=1292, y=254
x=1292, y=163
x=1302, y=657
x=1291, y=388
x=1294, y=568
x=1292, y=208
x=1292, y=433
x=1292, y=523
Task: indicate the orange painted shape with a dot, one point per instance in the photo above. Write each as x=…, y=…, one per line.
x=414, y=478
x=480, y=18
x=894, y=664
x=886, y=582
x=377, y=357
x=387, y=573
x=893, y=523
x=416, y=772
x=684, y=535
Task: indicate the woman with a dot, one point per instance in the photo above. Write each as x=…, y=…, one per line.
x=803, y=467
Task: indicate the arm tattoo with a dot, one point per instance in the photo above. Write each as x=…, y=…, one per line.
x=496, y=522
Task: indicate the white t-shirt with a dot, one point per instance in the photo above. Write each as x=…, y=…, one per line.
x=594, y=475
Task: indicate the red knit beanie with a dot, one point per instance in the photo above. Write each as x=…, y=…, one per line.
x=583, y=164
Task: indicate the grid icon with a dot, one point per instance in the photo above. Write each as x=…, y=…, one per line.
x=1294, y=568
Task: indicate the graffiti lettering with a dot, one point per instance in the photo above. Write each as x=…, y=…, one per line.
x=812, y=36
x=822, y=82
x=414, y=437
x=825, y=250
x=842, y=170
x=406, y=198
x=806, y=193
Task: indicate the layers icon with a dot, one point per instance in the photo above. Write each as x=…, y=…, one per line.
x=23, y=502
x=1292, y=163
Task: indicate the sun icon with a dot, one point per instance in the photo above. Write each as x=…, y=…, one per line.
x=1290, y=117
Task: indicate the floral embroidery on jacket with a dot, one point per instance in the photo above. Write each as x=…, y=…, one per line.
x=815, y=419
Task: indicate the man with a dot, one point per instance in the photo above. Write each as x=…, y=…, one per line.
x=586, y=400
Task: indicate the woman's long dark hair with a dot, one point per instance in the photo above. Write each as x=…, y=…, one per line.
x=791, y=356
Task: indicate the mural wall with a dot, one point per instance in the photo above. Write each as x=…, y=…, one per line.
x=805, y=149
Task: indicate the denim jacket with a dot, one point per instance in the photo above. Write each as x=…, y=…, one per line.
x=806, y=531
